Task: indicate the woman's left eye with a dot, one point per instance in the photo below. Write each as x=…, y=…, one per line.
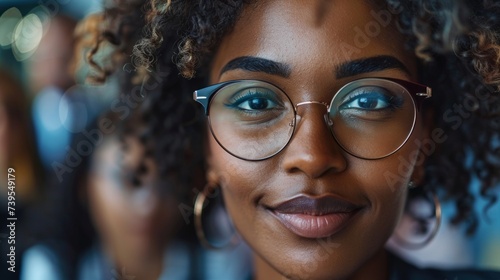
x=368, y=100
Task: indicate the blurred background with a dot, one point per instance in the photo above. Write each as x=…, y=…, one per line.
x=36, y=49
x=45, y=105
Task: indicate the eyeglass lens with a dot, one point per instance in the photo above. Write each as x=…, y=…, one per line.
x=369, y=118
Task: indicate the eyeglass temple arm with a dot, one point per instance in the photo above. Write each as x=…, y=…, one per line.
x=422, y=92
x=203, y=95
x=418, y=89
x=426, y=94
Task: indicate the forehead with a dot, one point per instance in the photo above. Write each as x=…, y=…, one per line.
x=314, y=33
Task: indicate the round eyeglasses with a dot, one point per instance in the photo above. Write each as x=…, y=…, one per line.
x=370, y=118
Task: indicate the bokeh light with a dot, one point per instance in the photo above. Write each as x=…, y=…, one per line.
x=27, y=37
x=8, y=22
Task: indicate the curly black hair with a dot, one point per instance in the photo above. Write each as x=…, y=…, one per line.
x=457, y=43
x=173, y=132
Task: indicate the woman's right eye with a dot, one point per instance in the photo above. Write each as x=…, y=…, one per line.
x=257, y=103
x=254, y=100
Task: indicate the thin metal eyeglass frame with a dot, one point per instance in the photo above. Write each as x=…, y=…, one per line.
x=418, y=92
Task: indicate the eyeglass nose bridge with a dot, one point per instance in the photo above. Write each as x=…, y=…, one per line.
x=327, y=119
x=312, y=102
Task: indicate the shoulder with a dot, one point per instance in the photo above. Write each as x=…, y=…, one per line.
x=401, y=269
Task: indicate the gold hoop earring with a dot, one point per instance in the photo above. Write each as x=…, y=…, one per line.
x=412, y=245
x=199, y=204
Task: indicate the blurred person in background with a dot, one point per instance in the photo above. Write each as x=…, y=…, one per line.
x=114, y=217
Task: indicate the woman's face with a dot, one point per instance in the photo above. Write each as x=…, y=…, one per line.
x=313, y=39
x=132, y=220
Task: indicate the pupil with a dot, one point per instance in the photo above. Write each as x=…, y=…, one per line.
x=258, y=103
x=367, y=102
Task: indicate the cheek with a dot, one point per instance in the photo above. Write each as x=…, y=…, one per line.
x=226, y=170
x=386, y=180
x=241, y=182
x=238, y=177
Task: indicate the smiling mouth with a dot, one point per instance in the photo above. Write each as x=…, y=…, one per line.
x=311, y=217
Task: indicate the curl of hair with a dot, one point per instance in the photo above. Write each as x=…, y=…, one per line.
x=115, y=28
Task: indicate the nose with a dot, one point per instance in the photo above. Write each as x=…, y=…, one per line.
x=313, y=149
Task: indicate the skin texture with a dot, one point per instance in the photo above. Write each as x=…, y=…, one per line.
x=133, y=222
x=309, y=36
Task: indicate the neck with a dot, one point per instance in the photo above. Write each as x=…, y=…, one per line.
x=376, y=268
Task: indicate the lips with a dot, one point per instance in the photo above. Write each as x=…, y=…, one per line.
x=315, y=217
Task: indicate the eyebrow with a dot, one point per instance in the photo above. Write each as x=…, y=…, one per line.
x=370, y=64
x=257, y=64
x=344, y=70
